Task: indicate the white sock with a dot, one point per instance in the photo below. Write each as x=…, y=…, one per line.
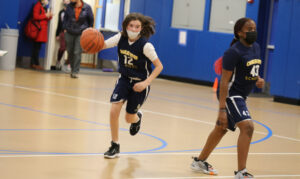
x=116, y=142
x=243, y=171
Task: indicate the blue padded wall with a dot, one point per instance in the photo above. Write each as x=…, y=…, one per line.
x=284, y=69
x=195, y=60
x=9, y=11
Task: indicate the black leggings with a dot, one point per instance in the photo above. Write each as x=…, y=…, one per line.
x=35, y=53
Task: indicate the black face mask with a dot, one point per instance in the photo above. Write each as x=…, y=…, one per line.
x=73, y=3
x=251, y=37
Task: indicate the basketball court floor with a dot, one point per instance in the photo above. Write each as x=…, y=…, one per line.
x=56, y=127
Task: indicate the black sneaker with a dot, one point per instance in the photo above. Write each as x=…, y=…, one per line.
x=113, y=151
x=135, y=127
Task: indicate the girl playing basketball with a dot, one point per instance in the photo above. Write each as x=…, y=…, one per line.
x=241, y=63
x=136, y=55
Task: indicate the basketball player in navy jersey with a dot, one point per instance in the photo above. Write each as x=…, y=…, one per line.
x=240, y=72
x=136, y=55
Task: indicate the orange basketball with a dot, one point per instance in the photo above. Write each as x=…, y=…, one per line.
x=91, y=40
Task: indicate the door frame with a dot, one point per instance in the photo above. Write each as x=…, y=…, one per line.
x=50, y=45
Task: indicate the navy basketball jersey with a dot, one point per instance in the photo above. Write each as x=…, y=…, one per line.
x=132, y=61
x=245, y=63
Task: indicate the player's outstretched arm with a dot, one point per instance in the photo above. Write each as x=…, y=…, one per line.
x=112, y=41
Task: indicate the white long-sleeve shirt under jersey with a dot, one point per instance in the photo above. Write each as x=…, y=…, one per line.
x=149, y=50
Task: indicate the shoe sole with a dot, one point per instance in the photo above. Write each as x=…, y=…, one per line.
x=202, y=171
x=243, y=177
x=112, y=157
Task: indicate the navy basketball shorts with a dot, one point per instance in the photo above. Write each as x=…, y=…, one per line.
x=237, y=111
x=124, y=92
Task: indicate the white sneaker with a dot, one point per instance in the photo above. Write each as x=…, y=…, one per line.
x=66, y=68
x=242, y=174
x=203, y=167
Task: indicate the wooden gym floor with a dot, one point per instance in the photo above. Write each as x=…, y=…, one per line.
x=55, y=127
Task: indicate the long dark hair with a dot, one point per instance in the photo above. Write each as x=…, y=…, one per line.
x=238, y=27
x=148, y=24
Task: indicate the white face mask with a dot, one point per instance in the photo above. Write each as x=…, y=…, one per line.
x=132, y=35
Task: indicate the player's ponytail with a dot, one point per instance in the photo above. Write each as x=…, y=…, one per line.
x=148, y=26
x=234, y=40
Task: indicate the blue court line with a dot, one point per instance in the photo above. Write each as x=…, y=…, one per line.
x=215, y=109
x=184, y=97
x=178, y=101
x=53, y=114
x=155, y=150
x=54, y=130
x=185, y=103
x=64, y=87
x=270, y=133
x=163, y=143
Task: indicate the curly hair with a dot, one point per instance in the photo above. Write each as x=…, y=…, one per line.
x=148, y=24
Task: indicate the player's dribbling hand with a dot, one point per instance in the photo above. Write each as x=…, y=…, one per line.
x=260, y=82
x=140, y=86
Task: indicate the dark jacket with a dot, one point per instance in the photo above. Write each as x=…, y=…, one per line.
x=85, y=20
x=60, y=22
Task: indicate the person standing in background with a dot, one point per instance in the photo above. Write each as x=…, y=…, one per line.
x=41, y=14
x=78, y=17
x=60, y=35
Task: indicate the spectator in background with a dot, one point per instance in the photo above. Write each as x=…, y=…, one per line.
x=60, y=35
x=43, y=15
x=78, y=17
